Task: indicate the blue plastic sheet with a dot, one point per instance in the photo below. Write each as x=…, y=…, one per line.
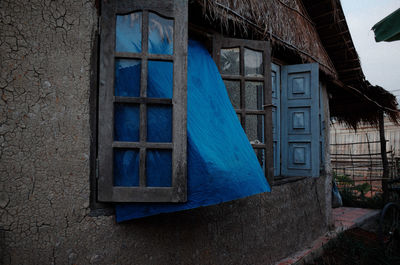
x=222, y=165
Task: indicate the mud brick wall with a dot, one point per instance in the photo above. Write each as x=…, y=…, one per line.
x=46, y=57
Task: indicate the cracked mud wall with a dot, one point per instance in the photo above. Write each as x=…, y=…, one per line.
x=45, y=57
x=45, y=49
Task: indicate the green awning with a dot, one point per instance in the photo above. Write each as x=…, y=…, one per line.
x=388, y=29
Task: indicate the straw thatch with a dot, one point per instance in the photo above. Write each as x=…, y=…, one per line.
x=312, y=31
x=354, y=100
x=352, y=109
x=284, y=23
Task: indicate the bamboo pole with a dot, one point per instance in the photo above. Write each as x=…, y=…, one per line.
x=384, y=156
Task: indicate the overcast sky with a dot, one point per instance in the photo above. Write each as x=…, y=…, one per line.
x=380, y=61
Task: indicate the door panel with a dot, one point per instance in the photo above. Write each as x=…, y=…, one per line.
x=300, y=142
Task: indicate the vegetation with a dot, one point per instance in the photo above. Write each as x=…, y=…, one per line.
x=354, y=195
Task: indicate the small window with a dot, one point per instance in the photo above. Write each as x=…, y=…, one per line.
x=142, y=124
x=245, y=68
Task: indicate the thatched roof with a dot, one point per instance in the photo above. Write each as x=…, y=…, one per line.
x=354, y=99
x=315, y=31
x=284, y=23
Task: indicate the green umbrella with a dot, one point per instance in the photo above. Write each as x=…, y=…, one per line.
x=388, y=29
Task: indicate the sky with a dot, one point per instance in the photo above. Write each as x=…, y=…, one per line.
x=380, y=61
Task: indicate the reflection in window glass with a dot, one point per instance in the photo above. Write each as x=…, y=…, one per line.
x=254, y=95
x=230, y=61
x=253, y=63
x=127, y=78
x=159, y=123
x=233, y=88
x=129, y=33
x=159, y=168
x=255, y=128
x=160, y=34
x=126, y=167
x=159, y=82
x=126, y=124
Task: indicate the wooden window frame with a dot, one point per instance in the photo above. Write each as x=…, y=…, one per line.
x=107, y=192
x=221, y=42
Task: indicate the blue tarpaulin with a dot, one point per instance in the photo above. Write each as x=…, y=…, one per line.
x=222, y=165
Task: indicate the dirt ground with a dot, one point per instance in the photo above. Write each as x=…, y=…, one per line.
x=358, y=246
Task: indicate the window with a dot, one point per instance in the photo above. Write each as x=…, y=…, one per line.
x=282, y=119
x=245, y=68
x=276, y=105
x=132, y=138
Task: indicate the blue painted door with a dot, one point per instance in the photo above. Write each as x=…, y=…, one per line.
x=300, y=138
x=276, y=116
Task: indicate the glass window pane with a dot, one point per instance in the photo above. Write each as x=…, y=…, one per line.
x=160, y=34
x=255, y=128
x=159, y=168
x=127, y=78
x=126, y=123
x=230, y=61
x=253, y=63
x=129, y=33
x=159, y=123
x=159, y=81
x=126, y=167
x=254, y=95
x=233, y=88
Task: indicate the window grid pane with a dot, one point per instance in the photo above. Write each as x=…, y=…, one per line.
x=126, y=122
x=159, y=126
x=233, y=89
x=127, y=78
x=161, y=32
x=126, y=167
x=254, y=95
x=159, y=168
x=249, y=96
x=128, y=33
x=160, y=87
x=230, y=61
x=253, y=63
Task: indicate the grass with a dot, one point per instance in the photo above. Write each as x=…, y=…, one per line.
x=353, y=195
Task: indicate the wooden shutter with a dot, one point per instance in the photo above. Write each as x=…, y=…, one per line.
x=241, y=75
x=300, y=120
x=108, y=145
x=276, y=116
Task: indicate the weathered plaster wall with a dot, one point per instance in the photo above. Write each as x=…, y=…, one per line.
x=45, y=50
